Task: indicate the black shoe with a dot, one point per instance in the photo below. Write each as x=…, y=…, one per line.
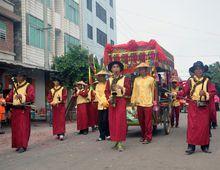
x=80, y=132
x=99, y=139
x=17, y=149
x=94, y=129
x=189, y=152
x=21, y=150
x=85, y=133
x=206, y=150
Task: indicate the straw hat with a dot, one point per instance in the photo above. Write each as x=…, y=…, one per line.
x=143, y=65
x=102, y=72
x=81, y=83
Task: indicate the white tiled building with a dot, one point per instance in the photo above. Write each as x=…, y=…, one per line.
x=98, y=22
x=46, y=28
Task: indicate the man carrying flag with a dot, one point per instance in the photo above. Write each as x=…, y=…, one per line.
x=21, y=97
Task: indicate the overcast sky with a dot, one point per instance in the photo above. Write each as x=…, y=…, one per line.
x=188, y=29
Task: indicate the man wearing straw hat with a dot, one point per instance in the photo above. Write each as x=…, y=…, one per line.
x=117, y=88
x=175, y=103
x=92, y=107
x=199, y=90
x=81, y=95
x=143, y=97
x=57, y=98
x=102, y=105
x=20, y=97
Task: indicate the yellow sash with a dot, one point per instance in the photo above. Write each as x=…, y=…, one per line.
x=196, y=86
x=80, y=99
x=22, y=90
x=57, y=94
x=120, y=83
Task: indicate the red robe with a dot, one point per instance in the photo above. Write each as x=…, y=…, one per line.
x=117, y=115
x=198, y=119
x=59, y=114
x=212, y=106
x=82, y=115
x=92, y=108
x=20, y=120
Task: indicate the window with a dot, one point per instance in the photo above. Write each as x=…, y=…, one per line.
x=111, y=23
x=100, y=12
x=112, y=42
x=89, y=31
x=36, y=33
x=70, y=41
x=48, y=3
x=101, y=38
x=111, y=3
x=3, y=30
x=89, y=5
x=72, y=11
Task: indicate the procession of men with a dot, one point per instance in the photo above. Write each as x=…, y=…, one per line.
x=103, y=104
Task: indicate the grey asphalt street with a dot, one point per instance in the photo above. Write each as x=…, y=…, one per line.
x=84, y=153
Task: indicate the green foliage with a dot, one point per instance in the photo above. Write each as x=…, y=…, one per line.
x=72, y=66
x=214, y=73
x=97, y=65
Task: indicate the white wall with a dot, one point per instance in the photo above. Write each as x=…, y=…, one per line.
x=90, y=18
x=39, y=88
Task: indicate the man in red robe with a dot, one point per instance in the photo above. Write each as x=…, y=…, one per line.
x=92, y=107
x=213, y=109
x=198, y=89
x=20, y=98
x=81, y=95
x=175, y=104
x=57, y=98
x=117, y=89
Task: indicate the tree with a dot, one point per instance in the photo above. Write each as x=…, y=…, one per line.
x=214, y=73
x=72, y=66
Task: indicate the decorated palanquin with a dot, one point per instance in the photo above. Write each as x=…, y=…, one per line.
x=162, y=62
x=133, y=53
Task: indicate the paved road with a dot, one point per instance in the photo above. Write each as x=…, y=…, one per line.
x=83, y=153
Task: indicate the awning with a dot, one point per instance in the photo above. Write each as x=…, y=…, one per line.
x=9, y=14
x=10, y=64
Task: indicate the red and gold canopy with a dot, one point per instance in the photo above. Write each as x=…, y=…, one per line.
x=133, y=53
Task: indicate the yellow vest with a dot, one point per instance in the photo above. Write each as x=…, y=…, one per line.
x=80, y=99
x=57, y=94
x=120, y=83
x=195, y=96
x=100, y=96
x=175, y=101
x=22, y=90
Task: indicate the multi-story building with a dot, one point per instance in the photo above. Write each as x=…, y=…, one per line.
x=45, y=28
x=32, y=32
x=8, y=22
x=98, y=22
